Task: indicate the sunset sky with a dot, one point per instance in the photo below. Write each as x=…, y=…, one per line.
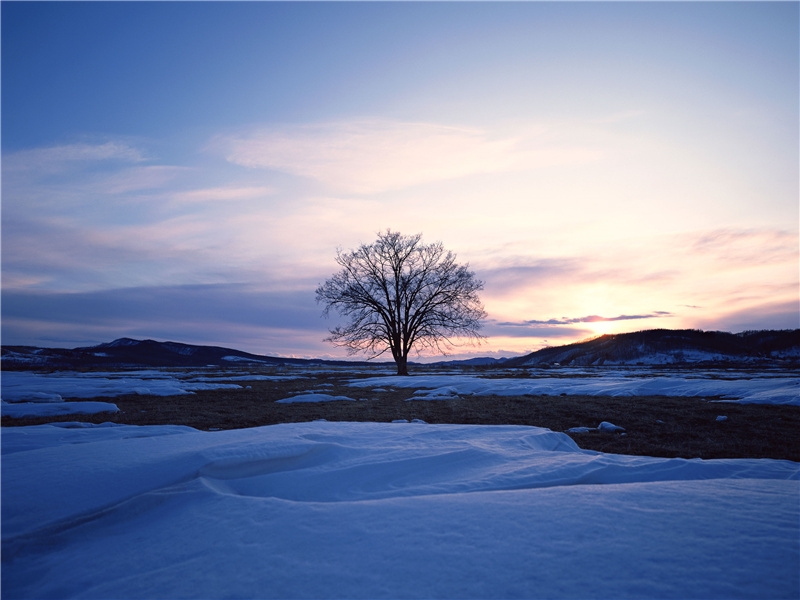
x=186, y=171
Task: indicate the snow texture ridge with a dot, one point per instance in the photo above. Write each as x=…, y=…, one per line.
x=380, y=510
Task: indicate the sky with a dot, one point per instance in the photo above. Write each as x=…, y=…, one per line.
x=186, y=171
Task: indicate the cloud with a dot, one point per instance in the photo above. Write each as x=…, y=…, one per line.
x=745, y=247
x=59, y=158
x=758, y=315
x=589, y=319
x=496, y=329
x=549, y=271
x=222, y=194
x=234, y=315
x=136, y=179
x=370, y=156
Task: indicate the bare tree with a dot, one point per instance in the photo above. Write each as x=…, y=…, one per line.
x=399, y=294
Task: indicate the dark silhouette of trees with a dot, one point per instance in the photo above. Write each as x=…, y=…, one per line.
x=397, y=294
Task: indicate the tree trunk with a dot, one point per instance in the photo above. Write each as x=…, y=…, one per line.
x=402, y=365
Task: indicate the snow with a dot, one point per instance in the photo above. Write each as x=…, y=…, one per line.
x=26, y=386
x=680, y=356
x=382, y=510
x=743, y=387
x=33, y=409
x=30, y=391
x=122, y=342
x=609, y=427
x=581, y=429
x=604, y=426
x=219, y=378
x=313, y=397
x=442, y=393
x=242, y=359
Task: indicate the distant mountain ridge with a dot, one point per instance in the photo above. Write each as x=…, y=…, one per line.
x=670, y=346
x=649, y=347
x=128, y=352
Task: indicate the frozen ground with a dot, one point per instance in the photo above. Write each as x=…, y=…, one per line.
x=738, y=387
x=369, y=510
x=27, y=393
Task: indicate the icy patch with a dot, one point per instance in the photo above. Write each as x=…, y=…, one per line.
x=313, y=397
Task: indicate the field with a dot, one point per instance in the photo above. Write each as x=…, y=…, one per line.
x=655, y=425
x=211, y=483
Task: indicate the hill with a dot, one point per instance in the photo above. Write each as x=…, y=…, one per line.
x=127, y=352
x=651, y=347
x=671, y=346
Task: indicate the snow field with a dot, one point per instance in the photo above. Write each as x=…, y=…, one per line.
x=24, y=394
x=313, y=397
x=744, y=389
x=31, y=391
x=370, y=510
x=52, y=409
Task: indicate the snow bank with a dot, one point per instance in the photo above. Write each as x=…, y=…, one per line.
x=371, y=510
x=34, y=409
x=27, y=394
x=21, y=439
x=744, y=388
x=32, y=387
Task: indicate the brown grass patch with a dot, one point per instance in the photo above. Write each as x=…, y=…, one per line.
x=655, y=425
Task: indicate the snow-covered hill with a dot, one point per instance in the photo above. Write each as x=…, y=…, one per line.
x=669, y=346
x=652, y=347
x=127, y=352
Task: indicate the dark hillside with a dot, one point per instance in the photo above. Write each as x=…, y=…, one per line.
x=130, y=353
x=670, y=346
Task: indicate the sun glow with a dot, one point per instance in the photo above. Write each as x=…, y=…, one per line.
x=603, y=327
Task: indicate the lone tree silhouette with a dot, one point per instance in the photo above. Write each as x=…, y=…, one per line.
x=399, y=294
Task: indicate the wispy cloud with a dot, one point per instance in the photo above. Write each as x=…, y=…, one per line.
x=58, y=158
x=588, y=319
x=243, y=316
x=741, y=247
x=137, y=179
x=496, y=329
x=370, y=156
x=222, y=194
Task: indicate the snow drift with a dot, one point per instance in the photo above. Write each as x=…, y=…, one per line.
x=369, y=510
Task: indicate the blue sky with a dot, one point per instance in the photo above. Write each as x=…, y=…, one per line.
x=187, y=170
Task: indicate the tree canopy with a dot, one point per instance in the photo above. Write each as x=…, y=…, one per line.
x=399, y=294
